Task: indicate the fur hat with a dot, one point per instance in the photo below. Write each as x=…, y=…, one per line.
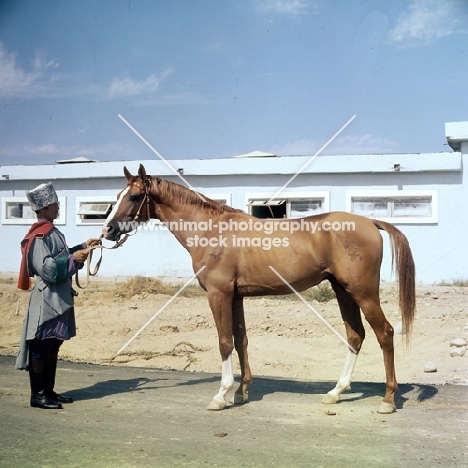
x=41, y=196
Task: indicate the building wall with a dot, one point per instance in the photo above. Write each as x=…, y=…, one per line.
x=440, y=249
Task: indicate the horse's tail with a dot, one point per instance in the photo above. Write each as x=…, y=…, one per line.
x=403, y=266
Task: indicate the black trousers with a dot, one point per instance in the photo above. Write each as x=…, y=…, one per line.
x=43, y=357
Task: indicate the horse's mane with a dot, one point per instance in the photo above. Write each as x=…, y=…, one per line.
x=170, y=191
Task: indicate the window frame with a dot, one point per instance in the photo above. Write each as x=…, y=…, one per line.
x=97, y=199
x=287, y=197
x=219, y=196
x=398, y=194
x=61, y=220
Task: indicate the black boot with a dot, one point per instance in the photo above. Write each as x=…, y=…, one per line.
x=39, y=399
x=59, y=398
x=50, y=369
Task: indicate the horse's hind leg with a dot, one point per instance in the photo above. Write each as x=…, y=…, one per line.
x=240, y=343
x=355, y=335
x=384, y=333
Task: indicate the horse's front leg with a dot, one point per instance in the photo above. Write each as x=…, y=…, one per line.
x=240, y=342
x=221, y=306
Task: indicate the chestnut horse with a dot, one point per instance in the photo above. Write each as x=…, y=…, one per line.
x=241, y=255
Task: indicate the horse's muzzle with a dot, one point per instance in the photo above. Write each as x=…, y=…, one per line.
x=111, y=231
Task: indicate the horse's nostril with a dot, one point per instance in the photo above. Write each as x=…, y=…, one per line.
x=108, y=231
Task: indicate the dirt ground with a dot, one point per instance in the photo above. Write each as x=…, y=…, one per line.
x=134, y=412
x=136, y=417
x=286, y=338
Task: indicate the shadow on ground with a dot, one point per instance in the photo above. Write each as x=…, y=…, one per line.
x=261, y=387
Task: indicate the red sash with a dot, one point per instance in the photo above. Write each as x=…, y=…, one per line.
x=39, y=229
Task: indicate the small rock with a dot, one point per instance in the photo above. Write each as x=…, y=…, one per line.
x=458, y=342
x=430, y=366
x=458, y=352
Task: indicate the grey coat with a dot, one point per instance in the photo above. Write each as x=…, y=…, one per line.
x=52, y=294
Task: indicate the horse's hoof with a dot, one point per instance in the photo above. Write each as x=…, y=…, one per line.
x=330, y=399
x=386, y=408
x=216, y=404
x=239, y=399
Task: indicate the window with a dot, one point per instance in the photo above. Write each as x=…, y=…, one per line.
x=398, y=206
x=290, y=205
x=302, y=208
x=17, y=210
x=93, y=210
x=224, y=198
x=268, y=209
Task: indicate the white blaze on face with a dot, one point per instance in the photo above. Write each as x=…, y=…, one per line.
x=114, y=210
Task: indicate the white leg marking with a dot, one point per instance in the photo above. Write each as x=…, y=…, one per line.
x=227, y=381
x=114, y=210
x=333, y=396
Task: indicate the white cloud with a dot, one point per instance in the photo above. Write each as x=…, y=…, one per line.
x=361, y=144
x=47, y=148
x=16, y=81
x=285, y=7
x=352, y=144
x=428, y=20
x=52, y=149
x=42, y=79
x=131, y=87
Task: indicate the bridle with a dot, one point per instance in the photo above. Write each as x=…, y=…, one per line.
x=146, y=188
x=146, y=199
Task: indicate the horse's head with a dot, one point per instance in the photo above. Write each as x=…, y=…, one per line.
x=132, y=206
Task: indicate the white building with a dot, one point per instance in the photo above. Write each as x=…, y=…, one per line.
x=423, y=194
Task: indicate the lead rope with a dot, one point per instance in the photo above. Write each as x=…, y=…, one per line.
x=146, y=201
x=98, y=264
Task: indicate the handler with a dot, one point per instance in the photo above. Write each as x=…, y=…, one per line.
x=50, y=318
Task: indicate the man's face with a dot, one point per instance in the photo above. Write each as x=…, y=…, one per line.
x=50, y=212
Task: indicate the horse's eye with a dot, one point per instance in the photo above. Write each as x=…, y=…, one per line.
x=134, y=198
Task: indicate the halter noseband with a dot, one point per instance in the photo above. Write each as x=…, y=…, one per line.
x=146, y=199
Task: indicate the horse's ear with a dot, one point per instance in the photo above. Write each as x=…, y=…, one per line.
x=127, y=173
x=142, y=172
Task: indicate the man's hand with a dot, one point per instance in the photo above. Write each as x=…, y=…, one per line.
x=81, y=255
x=92, y=242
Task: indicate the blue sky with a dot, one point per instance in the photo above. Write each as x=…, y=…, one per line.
x=217, y=78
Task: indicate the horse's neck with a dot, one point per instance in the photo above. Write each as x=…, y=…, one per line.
x=184, y=221
x=171, y=214
x=177, y=202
